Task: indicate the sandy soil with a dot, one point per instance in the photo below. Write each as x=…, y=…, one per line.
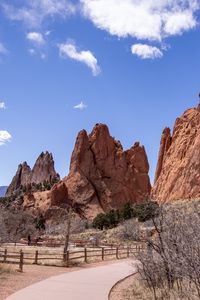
x=14, y=281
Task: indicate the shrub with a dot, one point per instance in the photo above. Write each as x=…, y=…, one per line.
x=101, y=221
x=146, y=210
x=40, y=223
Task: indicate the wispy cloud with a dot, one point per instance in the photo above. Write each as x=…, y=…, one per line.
x=36, y=38
x=3, y=49
x=70, y=50
x=5, y=137
x=2, y=105
x=146, y=51
x=33, y=13
x=80, y=106
x=144, y=19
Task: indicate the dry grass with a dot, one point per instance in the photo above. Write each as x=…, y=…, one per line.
x=5, y=269
x=134, y=288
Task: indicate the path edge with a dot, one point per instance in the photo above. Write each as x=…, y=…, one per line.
x=120, y=281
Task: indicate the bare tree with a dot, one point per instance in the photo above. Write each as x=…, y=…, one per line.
x=15, y=225
x=171, y=262
x=130, y=230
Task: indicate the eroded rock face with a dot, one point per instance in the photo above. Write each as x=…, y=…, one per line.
x=21, y=178
x=43, y=171
x=165, y=143
x=103, y=176
x=178, y=170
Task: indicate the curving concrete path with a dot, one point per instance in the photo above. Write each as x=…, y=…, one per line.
x=88, y=284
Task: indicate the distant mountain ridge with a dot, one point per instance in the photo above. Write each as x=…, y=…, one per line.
x=3, y=190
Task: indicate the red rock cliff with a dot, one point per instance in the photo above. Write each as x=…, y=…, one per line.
x=178, y=170
x=103, y=176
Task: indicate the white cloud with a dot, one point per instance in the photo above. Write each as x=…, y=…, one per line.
x=43, y=56
x=32, y=51
x=2, y=105
x=3, y=49
x=36, y=38
x=80, y=106
x=142, y=19
x=4, y=137
x=177, y=23
x=34, y=12
x=70, y=50
x=146, y=51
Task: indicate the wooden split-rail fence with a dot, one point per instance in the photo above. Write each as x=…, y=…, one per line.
x=69, y=258
x=12, y=258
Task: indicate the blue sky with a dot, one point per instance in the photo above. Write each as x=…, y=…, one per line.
x=133, y=64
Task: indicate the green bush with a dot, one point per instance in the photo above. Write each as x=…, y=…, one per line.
x=100, y=221
x=146, y=210
x=143, y=211
x=40, y=223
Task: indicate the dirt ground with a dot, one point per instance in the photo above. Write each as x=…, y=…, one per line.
x=13, y=281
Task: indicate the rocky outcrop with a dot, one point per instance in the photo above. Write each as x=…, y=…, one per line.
x=165, y=143
x=43, y=171
x=178, y=169
x=21, y=178
x=103, y=176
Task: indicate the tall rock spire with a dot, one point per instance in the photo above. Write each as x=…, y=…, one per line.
x=43, y=171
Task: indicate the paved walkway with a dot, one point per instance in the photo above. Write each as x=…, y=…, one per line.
x=88, y=284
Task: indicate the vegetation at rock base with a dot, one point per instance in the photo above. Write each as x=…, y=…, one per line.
x=143, y=212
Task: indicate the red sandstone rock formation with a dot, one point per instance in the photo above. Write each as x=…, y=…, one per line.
x=103, y=176
x=43, y=171
x=21, y=178
x=165, y=143
x=178, y=169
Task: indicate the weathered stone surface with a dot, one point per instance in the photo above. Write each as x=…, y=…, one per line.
x=165, y=143
x=22, y=178
x=43, y=171
x=103, y=176
x=178, y=170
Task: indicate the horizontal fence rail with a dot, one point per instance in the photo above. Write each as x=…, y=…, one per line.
x=68, y=258
x=12, y=258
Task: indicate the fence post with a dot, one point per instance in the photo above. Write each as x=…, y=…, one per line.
x=85, y=252
x=5, y=255
x=67, y=258
x=36, y=257
x=21, y=261
x=64, y=255
x=117, y=253
x=128, y=251
x=103, y=253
